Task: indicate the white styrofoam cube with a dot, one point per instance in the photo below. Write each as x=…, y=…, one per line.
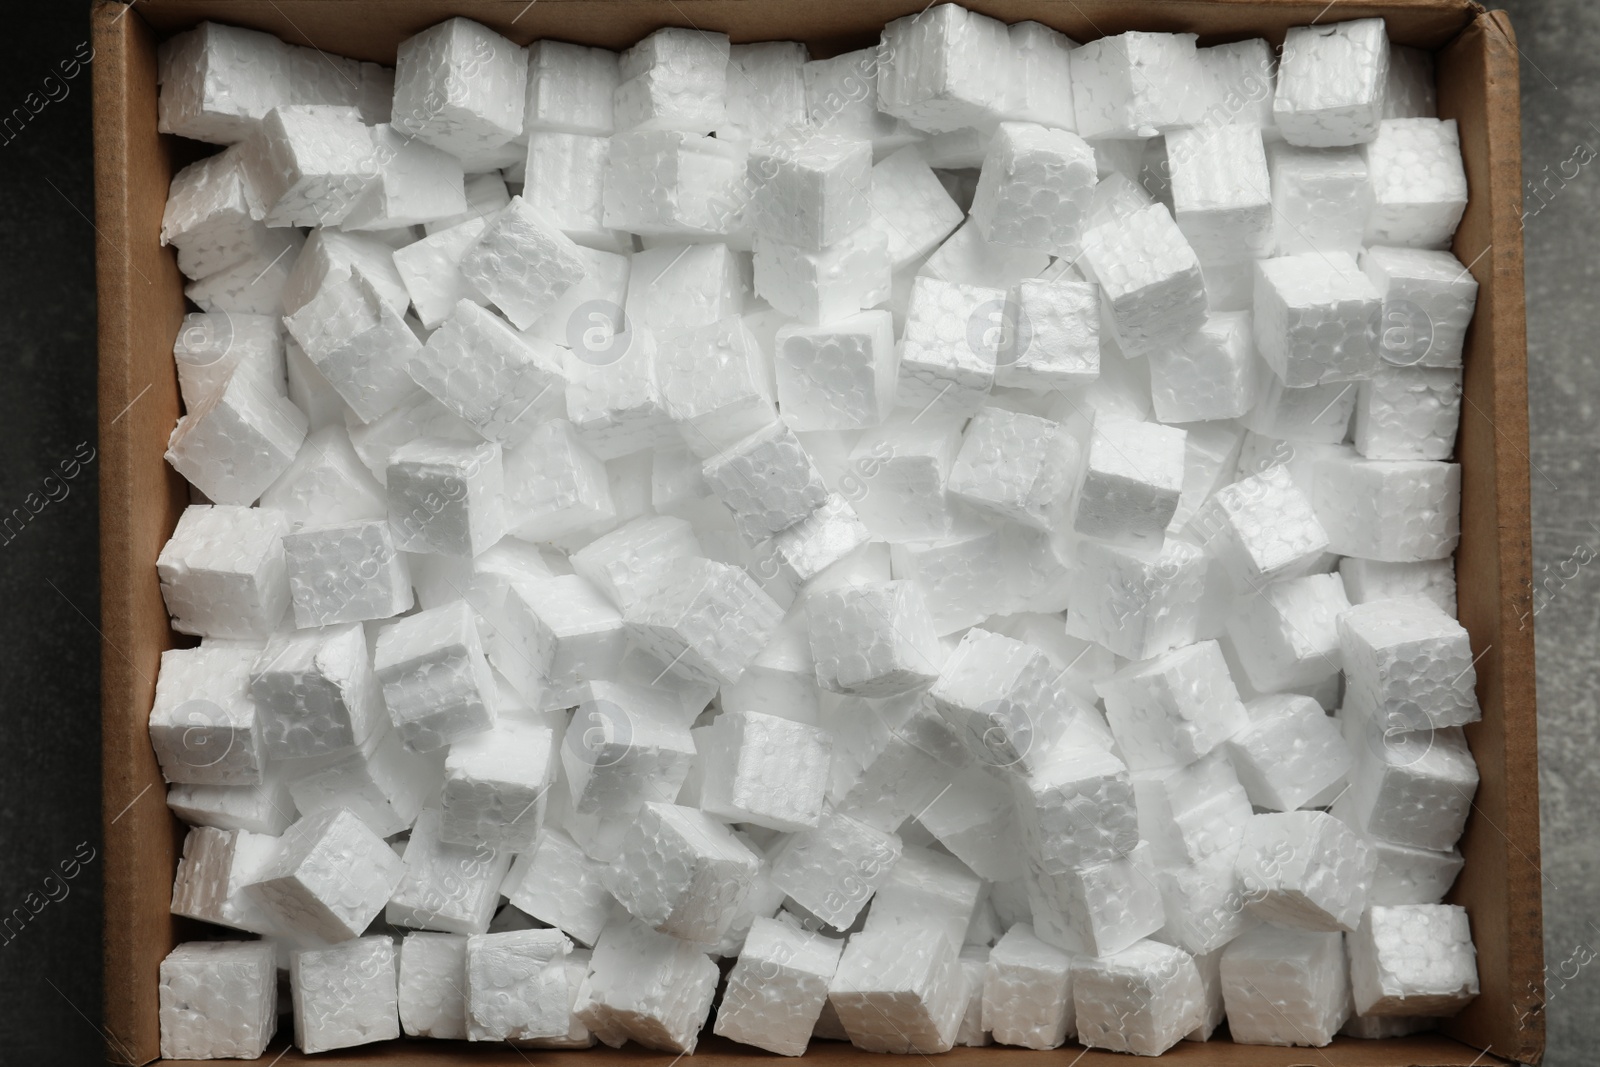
x=266, y=808
x=556, y=883
x=834, y=869
x=1419, y=185
x=1320, y=199
x=715, y=383
x=1016, y=467
x=446, y=497
x=452, y=888
x=1408, y=413
x=1204, y=904
x=1331, y=83
x=207, y=216
x=570, y=88
x=910, y=207
x=1408, y=665
x=1005, y=700
x=900, y=990
x=1174, y=708
x=237, y=441
x=1317, y=318
x=1242, y=76
x=215, y=867
x=808, y=189
x=1396, y=511
x=218, y=1000
x=1035, y=189
x=1411, y=787
x=330, y=877
x=1410, y=875
x=1143, y=999
x=842, y=98
x=1415, y=959
x=708, y=618
x=1192, y=814
x=1135, y=85
x=1261, y=528
x=763, y=769
x=767, y=480
x=778, y=987
x=210, y=348
x=1305, y=870
x=1041, y=77
x=945, y=68
x=1208, y=375
x=522, y=262
x=431, y=271
x=1428, y=299
x=308, y=165
x=873, y=640
x=1149, y=277
x=894, y=758
x=345, y=995
x=949, y=347
x=1027, y=996
x=461, y=87
x=684, y=286
x=674, y=79
x=1077, y=810
x=415, y=183
x=563, y=631
x=346, y=573
x=326, y=483
x=668, y=182
x=1133, y=605
x=849, y=275
x=356, y=341
x=316, y=692
x=381, y=782
x=495, y=785
x=1289, y=754
x=516, y=986
x=1366, y=580
x=205, y=727
x=1221, y=193
x=503, y=383
x=1098, y=909
x=1285, y=987
x=1131, y=482
x=436, y=683
x=564, y=179
x=252, y=286
x=432, y=986
x=668, y=855
x=926, y=889
x=1051, y=335
x=218, y=82
x=766, y=90
x=647, y=986
x=1286, y=634
x=223, y=573
x=621, y=752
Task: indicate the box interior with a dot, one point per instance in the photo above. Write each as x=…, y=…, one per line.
x=141, y=305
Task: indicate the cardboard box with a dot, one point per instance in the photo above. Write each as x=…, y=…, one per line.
x=141, y=305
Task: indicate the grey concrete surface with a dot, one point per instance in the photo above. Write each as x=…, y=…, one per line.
x=49, y=650
x=1560, y=43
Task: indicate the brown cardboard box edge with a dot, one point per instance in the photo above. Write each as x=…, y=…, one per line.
x=141, y=306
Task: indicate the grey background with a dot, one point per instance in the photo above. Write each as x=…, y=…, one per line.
x=49, y=647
